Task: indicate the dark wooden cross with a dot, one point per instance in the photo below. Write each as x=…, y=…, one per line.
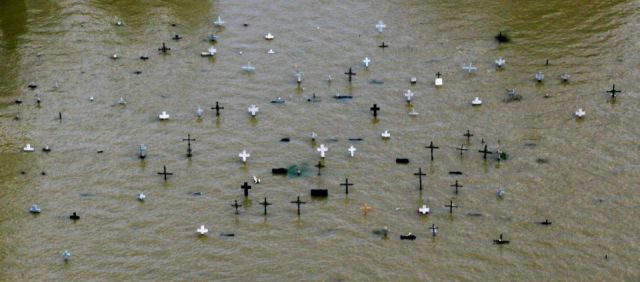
x=457, y=186
x=468, y=135
x=434, y=229
x=74, y=216
x=298, y=202
x=375, y=110
x=420, y=174
x=265, y=204
x=189, y=139
x=246, y=188
x=217, y=108
x=461, y=149
x=438, y=75
x=319, y=166
x=451, y=206
x=485, y=152
x=165, y=173
x=176, y=37
x=164, y=48
x=431, y=148
x=500, y=241
x=236, y=205
x=346, y=185
x=350, y=73
x=383, y=45
x=613, y=92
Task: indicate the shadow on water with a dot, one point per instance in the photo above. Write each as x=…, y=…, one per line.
x=13, y=24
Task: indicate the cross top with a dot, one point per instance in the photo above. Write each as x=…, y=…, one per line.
x=253, y=110
x=380, y=26
x=352, y=150
x=322, y=149
x=244, y=155
x=408, y=94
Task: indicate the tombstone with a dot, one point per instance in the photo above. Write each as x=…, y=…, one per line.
x=500, y=241
x=423, y=210
x=366, y=62
x=236, y=205
x=402, y=161
x=613, y=92
x=409, y=236
x=365, y=209
x=352, y=150
x=217, y=108
x=66, y=255
x=438, y=81
x=320, y=193
x=189, y=139
x=279, y=171
x=434, y=230
x=298, y=202
x=375, y=110
x=380, y=26
x=451, y=206
x=244, y=156
x=265, y=204
x=350, y=73
x=322, y=150
x=346, y=185
x=456, y=185
x=164, y=173
x=420, y=174
x=485, y=152
x=431, y=147
x=164, y=49
x=246, y=188
x=461, y=149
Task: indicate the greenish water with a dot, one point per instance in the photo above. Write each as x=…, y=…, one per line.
x=581, y=174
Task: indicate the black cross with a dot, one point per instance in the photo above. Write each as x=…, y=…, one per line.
x=74, y=216
x=434, y=229
x=431, y=148
x=468, y=135
x=298, y=202
x=457, y=186
x=217, y=108
x=164, y=48
x=461, y=149
x=265, y=204
x=346, y=185
x=164, y=172
x=485, y=152
x=246, y=188
x=613, y=91
x=236, y=205
x=189, y=139
x=176, y=37
x=375, y=110
x=350, y=73
x=383, y=45
x=500, y=241
x=319, y=166
x=438, y=74
x=420, y=174
x=451, y=206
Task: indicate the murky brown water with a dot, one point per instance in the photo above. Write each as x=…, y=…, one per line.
x=587, y=187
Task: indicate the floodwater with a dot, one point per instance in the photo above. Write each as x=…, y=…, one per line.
x=583, y=175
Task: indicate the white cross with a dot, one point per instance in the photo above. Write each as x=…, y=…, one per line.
x=253, y=110
x=366, y=61
x=322, y=149
x=380, y=26
x=202, y=230
x=470, y=68
x=423, y=209
x=352, y=150
x=408, y=94
x=244, y=155
x=500, y=62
